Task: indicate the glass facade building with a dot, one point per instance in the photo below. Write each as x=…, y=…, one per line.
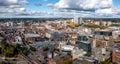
x=103, y=33
x=85, y=45
x=82, y=38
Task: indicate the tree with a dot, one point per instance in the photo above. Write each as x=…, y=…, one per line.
x=65, y=62
x=10, y=50
x=23, y=50
x=88, y=55
x=32, y=48
x=45, y=48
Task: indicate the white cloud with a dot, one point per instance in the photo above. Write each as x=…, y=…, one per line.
x=12, y=1
x=8, y=2
x=24, y=2
x=38, y=4
x=88, y=8
x=11, y=7
x=83, y=4
x=108, y=11
x=106, y=4
x=50, y=5
x=82, y=8
x=22, y=9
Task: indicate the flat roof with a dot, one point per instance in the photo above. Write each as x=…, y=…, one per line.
x=104, y=30
x=117, y=48
x=86, y=59
x=86, y=42
x=67, y=47
x=31, y=35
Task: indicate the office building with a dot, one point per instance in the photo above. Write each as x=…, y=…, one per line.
x=85, y=45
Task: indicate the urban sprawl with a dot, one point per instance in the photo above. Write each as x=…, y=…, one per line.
x=59, y=41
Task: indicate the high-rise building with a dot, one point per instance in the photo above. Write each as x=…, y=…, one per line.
x=80, y=21
x=76, y=19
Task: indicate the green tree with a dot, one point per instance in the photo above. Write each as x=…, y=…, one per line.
x=32, y=48
x=45, y=48
x=12, y=50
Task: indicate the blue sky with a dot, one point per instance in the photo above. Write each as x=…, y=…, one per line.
x=116, y=3
x=42, y=8
x=60, y=8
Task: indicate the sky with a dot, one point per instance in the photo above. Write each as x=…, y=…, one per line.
x=60, y=8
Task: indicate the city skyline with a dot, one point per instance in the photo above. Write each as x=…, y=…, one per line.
x=60, y=8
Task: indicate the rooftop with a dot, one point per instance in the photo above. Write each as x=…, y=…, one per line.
x=86, y=42
x=31, y=35
x=86, y=59
x=67, y=47
x=104, y=30
x=117, y=48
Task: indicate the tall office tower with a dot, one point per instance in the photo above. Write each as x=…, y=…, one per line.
x=11, y=23
x=76, y=19
x=80, y=21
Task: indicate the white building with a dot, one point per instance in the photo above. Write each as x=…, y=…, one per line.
x=80, y=21
x=18, y=40
x=75, y=51
x=76, y=20
x=9, y=23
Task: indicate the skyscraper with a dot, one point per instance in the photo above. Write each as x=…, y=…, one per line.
x=76, y=19
x=80, y=21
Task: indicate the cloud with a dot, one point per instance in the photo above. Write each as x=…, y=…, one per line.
x=24, y=2
x=15, y=8
x=8, y=2
x=85, y=5
x=62, y=8
x=12, y=7
x=108, y=11
x=22, y=9
x=91, y=8
x=38, y=4
x=50, y=5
